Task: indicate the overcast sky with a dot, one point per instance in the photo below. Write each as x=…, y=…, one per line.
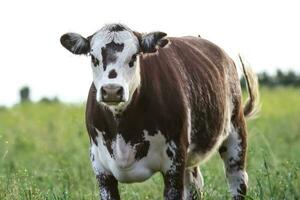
x=267, y=33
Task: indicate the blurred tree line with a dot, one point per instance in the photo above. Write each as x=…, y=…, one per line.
x=280, y=78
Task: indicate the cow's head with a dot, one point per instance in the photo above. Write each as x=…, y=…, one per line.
x=114, y=52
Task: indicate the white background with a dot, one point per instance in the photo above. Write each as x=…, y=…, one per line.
x=267, y=33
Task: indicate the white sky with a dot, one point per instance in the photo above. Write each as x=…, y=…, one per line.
x=267, y=33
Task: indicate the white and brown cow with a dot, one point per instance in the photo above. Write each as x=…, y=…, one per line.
x=163, y=104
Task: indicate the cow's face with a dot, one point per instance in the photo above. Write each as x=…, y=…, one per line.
x=114, y=52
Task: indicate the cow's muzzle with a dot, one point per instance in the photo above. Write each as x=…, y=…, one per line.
x=112, y=93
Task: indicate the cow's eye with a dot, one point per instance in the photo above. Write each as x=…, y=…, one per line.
x=133, y=59
x=95, y=61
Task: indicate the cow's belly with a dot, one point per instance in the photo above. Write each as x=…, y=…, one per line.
x=139, y=171
x=197, y=154
x=122, y=162
x=195, y=158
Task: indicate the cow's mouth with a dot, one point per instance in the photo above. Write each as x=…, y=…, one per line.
x=112, y=94
x=112, y=103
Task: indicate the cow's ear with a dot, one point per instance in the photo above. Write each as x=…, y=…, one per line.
x=150, y=42
x=75, y=43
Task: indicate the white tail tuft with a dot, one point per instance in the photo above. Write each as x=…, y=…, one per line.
x=251, y=107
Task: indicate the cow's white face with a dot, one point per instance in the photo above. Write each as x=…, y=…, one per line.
x=114, y=52
x=114, y=60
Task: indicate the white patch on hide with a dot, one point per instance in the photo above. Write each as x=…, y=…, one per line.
x=233, y=145
x=235, y=180
x=95, y=157
x=123, y=153
x=123, y=165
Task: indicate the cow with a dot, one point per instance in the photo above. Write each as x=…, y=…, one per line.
x=163, y=104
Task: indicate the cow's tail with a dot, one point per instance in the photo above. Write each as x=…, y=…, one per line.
x=252, y=106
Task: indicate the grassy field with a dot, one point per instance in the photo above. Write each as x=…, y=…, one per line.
x=44, y=154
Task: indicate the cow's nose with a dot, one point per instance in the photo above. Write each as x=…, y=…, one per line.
x=112, y=93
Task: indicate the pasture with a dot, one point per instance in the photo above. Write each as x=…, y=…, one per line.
x=44, y=154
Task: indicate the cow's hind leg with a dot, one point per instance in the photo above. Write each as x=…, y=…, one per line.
x=233, y=153
x=193, y=183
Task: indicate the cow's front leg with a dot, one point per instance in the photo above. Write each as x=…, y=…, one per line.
x=174, y=175
x=108, y=187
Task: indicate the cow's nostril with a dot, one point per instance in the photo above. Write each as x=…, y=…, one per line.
x=120, y=92
x=103, y=92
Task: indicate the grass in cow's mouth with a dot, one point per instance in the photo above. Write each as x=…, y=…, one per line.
x=112, y=103
x=44, y=154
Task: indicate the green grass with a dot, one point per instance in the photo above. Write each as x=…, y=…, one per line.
x=44, y=154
